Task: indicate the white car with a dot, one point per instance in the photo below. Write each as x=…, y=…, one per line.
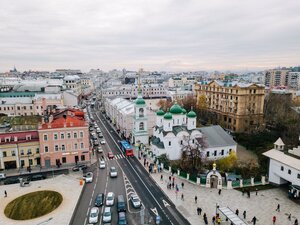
x=110, y=199
x=102, y=142
x=113, y=172
x=88, y=177
x=102, y=164
x=99, y=150
x=94, y=215
x=107, y=215
x=135, y=201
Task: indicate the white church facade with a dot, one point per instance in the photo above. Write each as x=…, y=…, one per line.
x=176, y=131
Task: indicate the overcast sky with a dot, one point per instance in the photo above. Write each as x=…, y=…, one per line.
x=172, y=35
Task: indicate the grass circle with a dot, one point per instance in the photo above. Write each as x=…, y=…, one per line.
x=33, y=205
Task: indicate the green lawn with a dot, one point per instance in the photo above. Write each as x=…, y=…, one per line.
x=21, y=120
x=33, y=205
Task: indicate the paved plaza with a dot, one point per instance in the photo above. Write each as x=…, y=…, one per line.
x=67, y=185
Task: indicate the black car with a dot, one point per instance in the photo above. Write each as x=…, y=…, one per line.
x=12, y=180
x=79, y=167
x=37, y=177
x=99, y=200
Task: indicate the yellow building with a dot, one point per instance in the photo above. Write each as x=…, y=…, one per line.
x=237, y=106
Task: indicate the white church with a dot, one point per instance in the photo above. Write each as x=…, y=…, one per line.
x=176, y=130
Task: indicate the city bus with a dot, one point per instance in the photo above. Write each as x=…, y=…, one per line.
x=126, y=148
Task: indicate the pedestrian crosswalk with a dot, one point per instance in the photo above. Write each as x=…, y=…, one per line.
x=116, y=157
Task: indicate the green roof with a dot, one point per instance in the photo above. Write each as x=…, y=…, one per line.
x=168, y=116
x=160, y=112
x=183, y=111
x=140, y=101
x=176, y=109
x=17, y=94
x=191, y=114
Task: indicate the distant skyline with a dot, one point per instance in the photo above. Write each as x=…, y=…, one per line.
x=162, y=35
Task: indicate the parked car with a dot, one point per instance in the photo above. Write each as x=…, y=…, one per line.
x=102, y=164
x=100, y=135
x=98, y=130
x=11, y=180
x=110, y=155
x=79, y=167
x=113, y=172
x=102, y=142
x=121, y=204
x=135, y=201
x=110, y=199
x=99, y=200
x=122, y=218
x=2, y=176
x=96, y=142
x=37, y=177
x=94, y=215
x=107, y=214
x=99, y=149
x=88, y=177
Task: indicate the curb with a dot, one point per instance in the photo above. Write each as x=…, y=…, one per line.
x=77, y=205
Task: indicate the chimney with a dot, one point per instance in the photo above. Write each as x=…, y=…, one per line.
x=50, y=118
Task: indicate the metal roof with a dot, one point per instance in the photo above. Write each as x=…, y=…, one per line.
x=283, y=158
x=232, y=217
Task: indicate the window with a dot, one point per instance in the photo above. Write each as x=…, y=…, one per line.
x=298, y=176
x=68, y=135
x=282, y=168
x=63, y=148
x=22, y=163
x=81, y=134
x=82, y=157
x=141, y=126
x=4, y=154
x=64, y=159
x=81, y=145
x=181, y=142
x=169, y=143
x=37, y=151
x=45, y=137
x=56, y=148
x=75, y=145
x=46, y=149
x=141, y=112
x=207, y=154
x=30, y=162
x=222, y=152
x=62, y=136
x=29, y=152
x=55, y=136
x=289, y=172
x=13, y=153
x=22, y=152
x=215, y=153
x=75, y=134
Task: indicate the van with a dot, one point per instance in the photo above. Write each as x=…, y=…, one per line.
x=121, y=206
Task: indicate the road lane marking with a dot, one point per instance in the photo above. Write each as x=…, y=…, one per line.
x=87, y=212
x=85, y=221
x=154, y=210
x=90, y=202
x=166, y=203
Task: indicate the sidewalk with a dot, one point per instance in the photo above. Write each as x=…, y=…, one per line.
x=262, y=206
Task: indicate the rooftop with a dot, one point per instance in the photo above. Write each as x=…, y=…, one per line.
x=283, y=158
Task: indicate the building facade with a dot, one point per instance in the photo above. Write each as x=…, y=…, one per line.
x=276, y=77
x=64, y=139
x=237, y=106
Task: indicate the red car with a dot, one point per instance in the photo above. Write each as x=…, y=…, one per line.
x=110, y=155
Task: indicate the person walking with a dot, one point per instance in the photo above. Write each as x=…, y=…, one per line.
x=244, y=214
x=278, y=208
x=237, y=212
x=274, y=220
x=161, y=177
x=205, y=220
x=296, y=222
x=218, y=220
x=170, y=178
x=199, y=210
x=256, y=191
x=182, y=197
x=254, y=220
x=214, y=220
x=243, y=191
x=182, y=185
x=196, y=199
x=220, y=190
x=5, y=193
x=173, y=179
x=289, y=217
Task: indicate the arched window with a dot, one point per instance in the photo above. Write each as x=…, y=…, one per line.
x=141, y=112
x=141, y=125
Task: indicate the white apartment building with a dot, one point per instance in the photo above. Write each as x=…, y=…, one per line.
x=180, y=81
x=73, y=82
x=294, y=80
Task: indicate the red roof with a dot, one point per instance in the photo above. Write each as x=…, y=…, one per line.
x=69, y=121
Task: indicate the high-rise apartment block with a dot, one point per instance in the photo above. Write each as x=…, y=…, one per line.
x=277, y=77
x=237, y=106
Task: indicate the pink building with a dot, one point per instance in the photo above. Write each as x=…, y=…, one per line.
x=64, y=139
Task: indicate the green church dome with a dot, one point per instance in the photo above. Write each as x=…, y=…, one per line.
x=140, y=101
x=168, y=116
x=191, y=114
x=183, y=111
x=160, y=112
x=176, y=109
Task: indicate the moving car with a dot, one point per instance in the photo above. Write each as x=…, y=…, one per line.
x=110, y=155
x=122, y=218
x=99, y=200
x=121, y=205
x=79, y=167
x=99, y=149
x=102, y=164
x=107, y=214
x=110, y=199
x=113, y=172
x=102, y=142
x=88, y=177
x=94, y=215
x=135, y=201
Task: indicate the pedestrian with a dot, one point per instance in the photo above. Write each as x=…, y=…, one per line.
x=248, y=192
x=182, y=185
x=254, y=220
x=173, y=185
x=220, y=191
x=256, y=190
x=237, y=212
x=289, y=217
x=170, y=178
x=196, y=199
x=198, y=211
x=243, y=191
x=278, y=208
x=274, y=219
x=5, y=193
x=205, y=220
x=173, y=179
x=147, y=163
x=244, y=214
x=161, y=177
x=182, y=197
x=296, y=222
x=204, y=215
x=218, y=220
x=213, y=220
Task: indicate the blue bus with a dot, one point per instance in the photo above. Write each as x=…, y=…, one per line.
x=126, y=148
